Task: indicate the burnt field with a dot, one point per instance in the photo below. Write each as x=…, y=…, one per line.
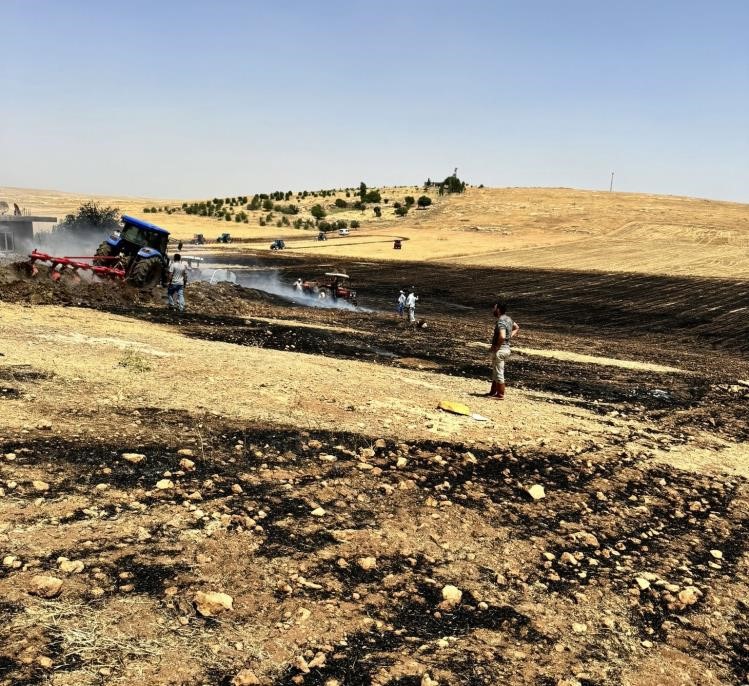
x=352, y=558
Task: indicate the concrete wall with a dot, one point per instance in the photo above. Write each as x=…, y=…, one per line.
x=16, y=236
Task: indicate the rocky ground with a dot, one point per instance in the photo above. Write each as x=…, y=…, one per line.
x=594, y=532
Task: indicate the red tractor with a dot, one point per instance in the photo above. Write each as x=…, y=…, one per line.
x=335, y=285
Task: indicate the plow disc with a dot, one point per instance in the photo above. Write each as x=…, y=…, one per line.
x=72, y=265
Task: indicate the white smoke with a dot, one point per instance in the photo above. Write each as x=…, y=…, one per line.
x=270, y=282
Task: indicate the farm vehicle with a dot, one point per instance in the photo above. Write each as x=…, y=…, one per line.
x=136, y=253
x=334, y=285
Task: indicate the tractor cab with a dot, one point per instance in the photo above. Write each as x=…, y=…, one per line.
x=139, y=248
x=198, y=239
x=278, y=244
x=224, y=238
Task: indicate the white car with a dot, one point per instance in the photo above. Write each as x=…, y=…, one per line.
x=343, y=232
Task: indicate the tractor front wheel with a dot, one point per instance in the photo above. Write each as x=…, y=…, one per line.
x=146, y=273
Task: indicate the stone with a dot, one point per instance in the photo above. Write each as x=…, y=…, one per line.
x=451, y=596
x=401, y=462
x=164, y=485
x=245, y=678
x=689, y=596
x=44, y=662
x=579, y=628
x=318, y=512
x=426, y=680
x=10, y=561
x=586, y=538
x=45, y=586
x=185, y=452
x=236, y=489
x=186, y=465
x=536, y=492
x=40, y=486
x=318, y=661
x=211, y=604
x=71, y=566
x=367, y=563
x=643, y=583
x=301, y=664
x=717, y=554
x=134, y=458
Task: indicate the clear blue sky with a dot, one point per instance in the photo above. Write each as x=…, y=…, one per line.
x=194, y=99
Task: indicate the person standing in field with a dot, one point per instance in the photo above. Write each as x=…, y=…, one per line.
x=504, y=330
x=177, y=283
x=401, y=303
x=411, y=305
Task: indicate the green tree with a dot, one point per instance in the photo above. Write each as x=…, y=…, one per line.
x=372, y=196
x=340, y=202
x=362, y=191
x=401, y=211
x=318, y=212
x=409, y=200
x=424, y=201
x=355, y=224
x=267, y=204
x=377, y=210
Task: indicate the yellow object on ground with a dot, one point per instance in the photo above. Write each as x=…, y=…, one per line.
x=455, y=408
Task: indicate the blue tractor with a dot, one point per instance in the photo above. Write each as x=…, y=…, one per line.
x=140, y=249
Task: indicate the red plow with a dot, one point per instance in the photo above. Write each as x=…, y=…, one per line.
x=72, y=265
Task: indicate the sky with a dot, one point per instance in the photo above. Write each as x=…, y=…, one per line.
x=191, y=99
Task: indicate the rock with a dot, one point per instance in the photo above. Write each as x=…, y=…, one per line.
x=236, y=489
x=568, y=558
x=318, y=512
x=367, y=563
x=186, y=452
x=212, y=603
x=45, y=586
x=186, y=465
x=71, y=566
x=536, y=492
x=40, y=486
x=580, y=628
x=134, y=458
x=10, y=561
x=44, y=662
x=643, y=583
x=426, y=680
x=245, y=678
x=164, y=485
x=301, y=664
x=689, y=596
x=401, y=462
x=717, y=554
x=318, y=661
x=451, y=596
x=586, y=538
x=380, y=444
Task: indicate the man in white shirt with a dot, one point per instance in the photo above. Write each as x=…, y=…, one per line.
x=177, y=283
x=411, y=305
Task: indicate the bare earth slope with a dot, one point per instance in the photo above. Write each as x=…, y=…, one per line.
x=590, y=530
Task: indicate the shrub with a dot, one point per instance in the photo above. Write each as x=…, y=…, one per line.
x=362, y=191
x=348, y=195
x=401, y=211
x=409, y=200
x=324, y=226
x=341, y=203
x=146, y=210
x=397, y=205
x=378, y=211
x=359, y=205
x=424, y=201
x=261, y=221
x=355, y=224
x=318, y=212
x=372, y=196
x=285, y=220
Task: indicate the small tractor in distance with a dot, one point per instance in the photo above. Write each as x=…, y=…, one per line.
x=335, y=285
x=139, y=249
x=224, y=238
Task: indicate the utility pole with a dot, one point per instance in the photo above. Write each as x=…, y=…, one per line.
x=611, y=185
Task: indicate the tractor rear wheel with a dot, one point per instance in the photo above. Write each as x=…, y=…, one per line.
x=146, y=273
x=105, y=250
